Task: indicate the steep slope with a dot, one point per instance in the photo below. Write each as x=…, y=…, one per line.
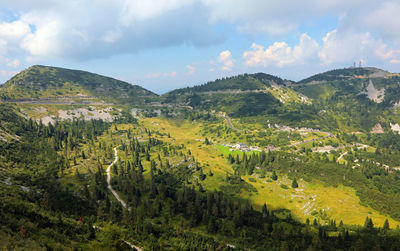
x=243, y=95
x=368, y=82
x=44, y=82
x=356, y=97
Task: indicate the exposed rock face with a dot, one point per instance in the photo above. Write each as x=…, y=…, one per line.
x=374, y=94
x=377, y=129
x=86, y=114
x=395, y=128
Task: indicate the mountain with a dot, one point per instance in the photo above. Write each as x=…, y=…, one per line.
x=45, y=82
x=346, y=74
x=295, y=166
x=369, y=83
x=247, y=94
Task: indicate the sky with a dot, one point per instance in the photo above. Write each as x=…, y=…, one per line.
x=167, y=44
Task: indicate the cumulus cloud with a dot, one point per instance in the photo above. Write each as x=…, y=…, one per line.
x=340, y=47
x=225, y=58
x=391, y=55
x=6, y=73
x=281, y=54
x=378, y=17
x=191, y=69
x=77, y=31
x=14, y=63
x=277, y=17
x=161, y=74
x=335, y=49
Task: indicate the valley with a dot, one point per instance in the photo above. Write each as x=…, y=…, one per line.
x=90, y=162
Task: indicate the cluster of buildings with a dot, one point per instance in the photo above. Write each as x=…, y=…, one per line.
x=242, y=147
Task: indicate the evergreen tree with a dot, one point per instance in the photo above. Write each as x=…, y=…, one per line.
x=294, y=183
x=265, y=210
x=386, y=225
x=274, y=176
x=368, y=224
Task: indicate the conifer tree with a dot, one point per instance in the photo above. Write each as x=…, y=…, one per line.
x=274, y=176
x=294, y=183
x=386, y=225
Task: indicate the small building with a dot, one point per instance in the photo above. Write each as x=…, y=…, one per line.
x=240, y=146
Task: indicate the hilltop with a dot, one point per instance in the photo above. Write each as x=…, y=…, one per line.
x=346, y=74
x=44, y=82
x=247, y=94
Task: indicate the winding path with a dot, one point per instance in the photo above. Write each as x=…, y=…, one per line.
x=230, y=125
x=109, y=180
x=116, y=194
x=341, y=156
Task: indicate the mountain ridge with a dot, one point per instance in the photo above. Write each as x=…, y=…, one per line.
x=41, y=82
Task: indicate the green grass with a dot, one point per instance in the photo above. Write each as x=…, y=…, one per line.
x=342, y=201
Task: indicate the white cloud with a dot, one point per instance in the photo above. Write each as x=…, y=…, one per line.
x=391, y=55
x=346, y=47
x=161, y=74
x=75, y=30
x=378, y=17
x=3, y=47
x=6, y=73
x=336, y=49
x=13, y=63
x=281, y=54
x=79, y=31
x=272, y=28
x=138, y=10
x=13, y=31
x=191, y=69
x=277, y=17
x=225, y=58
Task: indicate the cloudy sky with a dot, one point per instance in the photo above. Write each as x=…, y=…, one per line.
x=165, y=44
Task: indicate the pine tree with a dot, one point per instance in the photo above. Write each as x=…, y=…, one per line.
x=386, y=225
x=294, y=183
x=366, y=222
x=265, y=210
x=274, y=176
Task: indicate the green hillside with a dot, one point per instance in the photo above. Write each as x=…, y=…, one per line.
x=44, y=82
x=54, y=193
x=245, y=82
x=238, y=96
x=346, y=74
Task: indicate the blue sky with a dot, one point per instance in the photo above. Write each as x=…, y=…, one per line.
x=167, y=44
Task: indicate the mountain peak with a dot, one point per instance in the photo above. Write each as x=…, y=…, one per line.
x=39, y=82
x=346, y=74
